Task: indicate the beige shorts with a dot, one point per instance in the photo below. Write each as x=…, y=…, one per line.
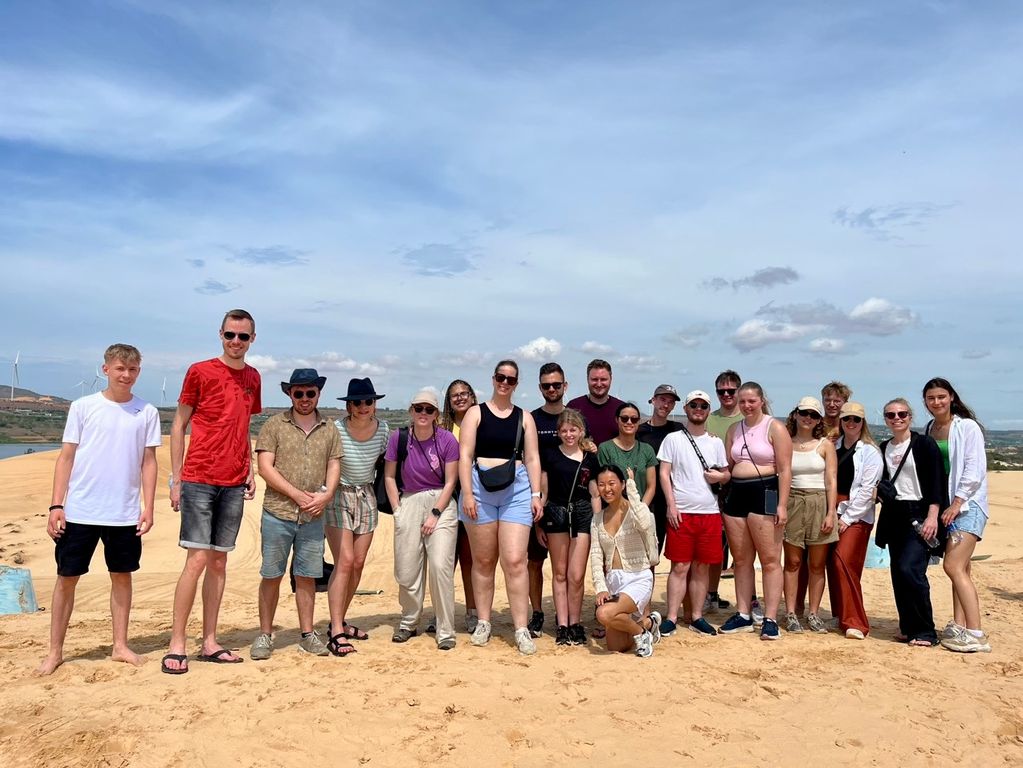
x=354, y=509
x=807, y=510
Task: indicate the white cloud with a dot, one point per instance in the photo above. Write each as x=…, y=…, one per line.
x=467, y=359
x=754, y=334
x=976, y=354
x=540, y=349
x=879, y=317
x=638, y=363
x=596, y=348
x=324, y=363
x=825, y=346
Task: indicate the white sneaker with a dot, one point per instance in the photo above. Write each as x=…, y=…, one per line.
x=524, y=641
x=481, y=636
x=644, y=644
x=951, y=630
x=854, y=634
x=757, y=611
x=965, y=642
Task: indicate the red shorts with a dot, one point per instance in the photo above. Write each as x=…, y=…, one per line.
x=697, y=539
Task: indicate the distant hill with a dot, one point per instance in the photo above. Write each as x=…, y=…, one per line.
x=28, y=395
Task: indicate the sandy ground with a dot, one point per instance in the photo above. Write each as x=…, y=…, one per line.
x=729, y=700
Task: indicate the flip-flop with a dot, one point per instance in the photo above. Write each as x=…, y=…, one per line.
x=338, y=645
x=178, y=657
x=217, y=657
x=900, y=638
x=352, y=632
x=920, y=643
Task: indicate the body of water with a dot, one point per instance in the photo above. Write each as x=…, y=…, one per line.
x=18, y=449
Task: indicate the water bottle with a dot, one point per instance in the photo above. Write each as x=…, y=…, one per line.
x=918, y=527
x=954, y=534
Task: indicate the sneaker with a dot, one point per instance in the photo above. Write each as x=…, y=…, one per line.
x=703, y=627
x=447, y=644
x=577, y=634
x=792, y=623
x=535, y=625
x=644, y=645
x=262, y=647
x=311, y=643
x=965, y=642
x=951, y=630
x=668, y=628
x=471, y=620
x=709, y=604
x=757, y=611
x=722, y=603
x=854, y=634
x=403, y=635
x=524, y=641
x=655, y=627
x=769, y=630
x=736, y=623
x=431, y=628
x=816, y=623
x=481, y=635
x=561, y=636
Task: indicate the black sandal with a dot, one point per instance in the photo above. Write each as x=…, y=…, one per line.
x=338, y=645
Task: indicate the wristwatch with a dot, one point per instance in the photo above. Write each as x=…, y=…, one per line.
x=435, y=512
x=536, y=495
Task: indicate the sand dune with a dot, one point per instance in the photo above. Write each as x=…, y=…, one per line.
x=728, y=700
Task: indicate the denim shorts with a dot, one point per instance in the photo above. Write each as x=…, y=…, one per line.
x=210, y=516
x=509, y=505
x=280, y=536
x=972, y=519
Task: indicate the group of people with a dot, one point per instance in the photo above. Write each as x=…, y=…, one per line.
x=473, y=484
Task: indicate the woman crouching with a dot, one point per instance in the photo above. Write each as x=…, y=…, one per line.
x=623, y=549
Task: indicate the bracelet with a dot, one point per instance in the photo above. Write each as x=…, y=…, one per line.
x=56, y=506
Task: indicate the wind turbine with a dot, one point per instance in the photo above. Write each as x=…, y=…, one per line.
x=96, y=378
x=14, y=374
x=163, y=392
x=82, y=385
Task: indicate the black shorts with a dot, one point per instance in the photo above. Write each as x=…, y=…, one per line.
x=122, y=548
x=535, y=551
x=560, y=519
x=747, y=496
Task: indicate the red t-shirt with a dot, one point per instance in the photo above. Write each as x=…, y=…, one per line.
x=223, y=399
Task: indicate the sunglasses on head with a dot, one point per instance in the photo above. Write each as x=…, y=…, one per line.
x=299, y=394
x=229, y=335
x=429, y=410
x=699, y=405
x=807, y=413
x=503, y=378
x=727, y=391
x=552, y=385
x=629, y=419
x=357, y=403
x=853, y=419
x=891, y=415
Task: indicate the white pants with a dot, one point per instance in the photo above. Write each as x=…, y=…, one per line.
x=417, y=557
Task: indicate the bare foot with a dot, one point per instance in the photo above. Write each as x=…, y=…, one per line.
x=128, y=656
x=49, y=664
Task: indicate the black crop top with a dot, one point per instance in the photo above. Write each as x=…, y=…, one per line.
x=495, y=437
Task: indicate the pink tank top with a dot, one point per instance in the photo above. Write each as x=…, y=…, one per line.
x=760, y=451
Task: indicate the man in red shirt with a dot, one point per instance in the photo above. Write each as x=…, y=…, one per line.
x=209, y=485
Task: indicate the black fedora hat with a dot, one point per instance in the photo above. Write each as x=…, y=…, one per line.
x=361, y=389
x=304, y=377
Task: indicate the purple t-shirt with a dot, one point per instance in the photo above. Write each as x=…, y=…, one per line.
x=423, y=469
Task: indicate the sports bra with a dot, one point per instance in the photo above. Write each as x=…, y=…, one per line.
x=760, y=452
x=495, y=437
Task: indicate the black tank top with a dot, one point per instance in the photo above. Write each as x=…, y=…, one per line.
x=495, y=437
x=845, y=471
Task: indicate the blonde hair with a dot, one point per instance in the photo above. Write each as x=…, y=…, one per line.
x=572, y=418
x=123, y=352
x=752, y=386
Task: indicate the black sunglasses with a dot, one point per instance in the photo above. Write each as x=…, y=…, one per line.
x=727, y=391
x=896, y=414
x=502, y=378
x=699, y=406
x=229, y=335
x=429, y=410
x=552, y=385
x=853, y=419
x=299, y=394
x=805, y=412
x=629, y=419
x=357, y=403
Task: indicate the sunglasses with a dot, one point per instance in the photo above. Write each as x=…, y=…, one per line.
x=553, y=385
x=699, y=406
x=502, y=378
x=429, y=410
x=299, y=394
x=461, y=395
x=892, y=415
x=806, y=413
x=727, y=391
x=229, y=335
x=629, y=419
x=358, y=403
x=853, y=419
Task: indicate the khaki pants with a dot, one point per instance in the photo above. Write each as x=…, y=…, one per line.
x=417, y=556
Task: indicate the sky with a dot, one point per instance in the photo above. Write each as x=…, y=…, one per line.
x=799, y=191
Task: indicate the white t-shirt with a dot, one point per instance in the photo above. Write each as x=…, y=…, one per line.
x=692, y=494
x=107, y=473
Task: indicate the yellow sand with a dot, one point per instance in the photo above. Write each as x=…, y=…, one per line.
x=730, y=700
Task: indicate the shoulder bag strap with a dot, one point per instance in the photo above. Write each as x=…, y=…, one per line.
x=699, y=455
x=904, y=457
x=742, y=424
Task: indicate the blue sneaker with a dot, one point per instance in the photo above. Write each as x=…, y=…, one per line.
x=702, y=626
x=769, y=630
x=668, y=628
x=736, y=623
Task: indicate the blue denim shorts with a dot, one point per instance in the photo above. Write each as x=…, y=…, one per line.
x=509, y=505
x=972, y=519
x=210, y=516
x=279, y=537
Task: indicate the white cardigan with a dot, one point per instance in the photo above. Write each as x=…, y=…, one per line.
x=868, y=467
x=967, y=476
x=636, y=540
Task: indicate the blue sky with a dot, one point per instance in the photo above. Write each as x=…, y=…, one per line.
x=798, y=191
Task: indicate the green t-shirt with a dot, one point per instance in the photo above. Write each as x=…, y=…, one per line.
x=718, y=424
x=639, y=458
